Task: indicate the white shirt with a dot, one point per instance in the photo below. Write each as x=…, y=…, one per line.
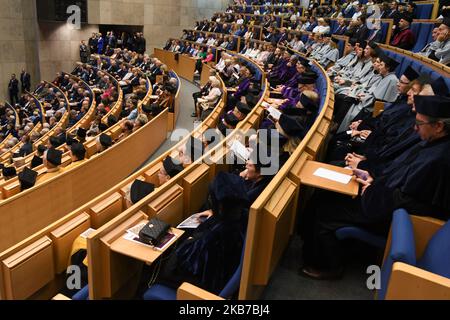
x=356, y=15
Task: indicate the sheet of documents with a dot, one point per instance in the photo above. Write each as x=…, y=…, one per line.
x=240, y=150
x=333, y=175
x=275, y=113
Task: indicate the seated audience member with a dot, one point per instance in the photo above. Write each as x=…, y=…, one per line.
x=404, y=38
x=77, y=154
x=37, y=158
x=209, y=256
x=441, y=53
x=127, y=129
x=228, y=124
x=433, y=45
x=81, y=135
x=168, y=170
x=386, y=90
x=140, y=121
x=375, y=142
x=207, y=103
x=9, y=173
x=418, y=181
x=103, y=142
x=191, y=151
x=332, y=55
x=27, y=178
x=52, y=161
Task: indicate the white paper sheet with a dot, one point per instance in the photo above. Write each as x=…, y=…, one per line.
x=275, y=113
x=333, y=175
x=240, y=150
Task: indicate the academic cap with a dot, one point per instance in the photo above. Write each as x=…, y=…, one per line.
x=102, y=127
x=292, y=126
x=140, y=189
x=440, y=87
x=304, y=62
x=36, y=161
x=407, y=17
x=433, y=106
x=70, y=141
x=9, y=172
x=105, y=140
x=27, y=178
x=54, y=156
x=41, y=148
x=308, y=103
x=373, y=45
x=446, y=21
x=352, y=41
x=81, y=132
x=55, y=141
x=147, y=108
x=252, y=100
x=391, y=63
x=228, y=186
x=243, y=108
x=410, y=73
x=231, y=119
x=335, y=40
x=306, y=80
x=171, y=168
x=362, y=43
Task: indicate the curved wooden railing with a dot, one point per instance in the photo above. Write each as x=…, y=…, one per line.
x=208, y=123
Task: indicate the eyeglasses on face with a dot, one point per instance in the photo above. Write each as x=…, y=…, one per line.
x=419, y=123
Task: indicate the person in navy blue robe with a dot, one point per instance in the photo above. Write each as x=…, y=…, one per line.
x=418, y=181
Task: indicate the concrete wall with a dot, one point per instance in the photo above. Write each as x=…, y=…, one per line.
x=161, y=19
x=18, y=42
x=45, y=48
x=59, y=46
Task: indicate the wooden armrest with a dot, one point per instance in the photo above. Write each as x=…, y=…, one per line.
x=424, y=229
x=411, y=283
x=378, y=108
x=188, y=291
x=61, y=297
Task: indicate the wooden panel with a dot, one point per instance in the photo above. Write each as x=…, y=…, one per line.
x=11, y=189
x=169, y=206
x=106, y=210
x=195, y=186
x=275, y=231
x=91, y=148
x=28, y=270
x=63, y=238
x=151, y=175
x=47, y=202
x=188, y=291
x=314, y=143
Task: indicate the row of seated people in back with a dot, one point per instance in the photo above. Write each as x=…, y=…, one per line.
x=439, y=48
x=402, y=36
x=400, y=158
x=29, y=112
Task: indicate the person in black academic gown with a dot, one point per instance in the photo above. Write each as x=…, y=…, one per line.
x=209, y=256
x=418, y=181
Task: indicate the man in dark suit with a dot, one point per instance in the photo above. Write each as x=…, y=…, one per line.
x=25, y=80
x=362, y=32
x=13, y=89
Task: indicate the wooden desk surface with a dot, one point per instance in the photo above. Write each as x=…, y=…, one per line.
x=308, y=178
x=139, y=251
